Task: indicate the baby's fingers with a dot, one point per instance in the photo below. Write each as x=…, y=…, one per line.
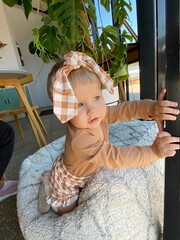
x=162, y=95
x=174, y=141
x=172, y=145
x=165, y=145
x=169, y=110
x=166, y=111
x=171, y=149
x=167, y=103
x=170, y=153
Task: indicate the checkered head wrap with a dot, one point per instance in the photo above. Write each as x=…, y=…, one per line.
x=65, y=104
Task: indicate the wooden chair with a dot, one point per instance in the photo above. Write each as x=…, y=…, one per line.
x=31, y=111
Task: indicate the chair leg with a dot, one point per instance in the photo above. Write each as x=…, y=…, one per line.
x=19, y=126
x=34, y=131
x=40, y=121
x=30, y=112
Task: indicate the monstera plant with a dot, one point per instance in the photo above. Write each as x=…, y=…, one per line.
x=72, y=25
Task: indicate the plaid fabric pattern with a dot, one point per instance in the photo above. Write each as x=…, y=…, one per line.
x=65, y=104
x=64, y=187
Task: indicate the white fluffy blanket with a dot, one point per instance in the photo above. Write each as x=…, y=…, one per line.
x=122, y=204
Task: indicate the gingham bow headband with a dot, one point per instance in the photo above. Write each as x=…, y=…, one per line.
x=65, y=104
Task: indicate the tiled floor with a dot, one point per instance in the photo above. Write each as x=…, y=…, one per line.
x=9, y=226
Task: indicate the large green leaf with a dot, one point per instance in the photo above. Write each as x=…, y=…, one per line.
x=91, y=9
x=10, y=3
x=106, y=4
x=90, y=5
x=120, y=10
x=46, y=20
x=70, y=20
x=51, y=8
x=108, y=39
x=48, y=38
x=32, y=48
x=56, y=1
x=36, y=47
x=66, y=26
x=126, y=36
x=27, y=5
x=122, y=72
x=119, y=70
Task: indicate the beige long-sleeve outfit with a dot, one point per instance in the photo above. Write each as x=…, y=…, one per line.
x=87, y=150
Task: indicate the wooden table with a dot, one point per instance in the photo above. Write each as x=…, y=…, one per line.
x=17, y=80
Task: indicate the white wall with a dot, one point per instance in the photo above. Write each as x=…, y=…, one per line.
x=9, y=55
x=22, y=32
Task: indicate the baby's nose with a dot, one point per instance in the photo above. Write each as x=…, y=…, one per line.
x=91, y=109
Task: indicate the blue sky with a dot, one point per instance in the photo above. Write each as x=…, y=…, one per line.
x=107, y=19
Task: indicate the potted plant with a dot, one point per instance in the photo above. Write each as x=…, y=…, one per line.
x=71, y=25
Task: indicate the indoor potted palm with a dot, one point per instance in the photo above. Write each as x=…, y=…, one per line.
x=71, y=25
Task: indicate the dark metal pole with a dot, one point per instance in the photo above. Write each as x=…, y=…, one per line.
x=146, y=16
x=116, y=24
x=172, y=165
x=161, y=44
x=158, y=32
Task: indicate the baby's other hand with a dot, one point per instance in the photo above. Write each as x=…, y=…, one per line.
x=165, y=145
x=164, y=110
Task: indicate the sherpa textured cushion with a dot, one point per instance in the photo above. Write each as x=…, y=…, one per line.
x=121, y=204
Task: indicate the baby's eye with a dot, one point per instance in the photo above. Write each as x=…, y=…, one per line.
x=97, y=98
x=80, y=105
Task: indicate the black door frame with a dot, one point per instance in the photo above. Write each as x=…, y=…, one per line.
x=158, y=33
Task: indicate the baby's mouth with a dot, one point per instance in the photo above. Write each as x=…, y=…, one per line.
x=93, y=120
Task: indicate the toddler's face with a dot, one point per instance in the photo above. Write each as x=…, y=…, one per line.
x=92, y=108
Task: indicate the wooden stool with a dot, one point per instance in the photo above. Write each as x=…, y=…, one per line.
x=16, y=112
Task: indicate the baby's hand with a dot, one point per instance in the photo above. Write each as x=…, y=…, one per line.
x=165, y=145
x=164, y=110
